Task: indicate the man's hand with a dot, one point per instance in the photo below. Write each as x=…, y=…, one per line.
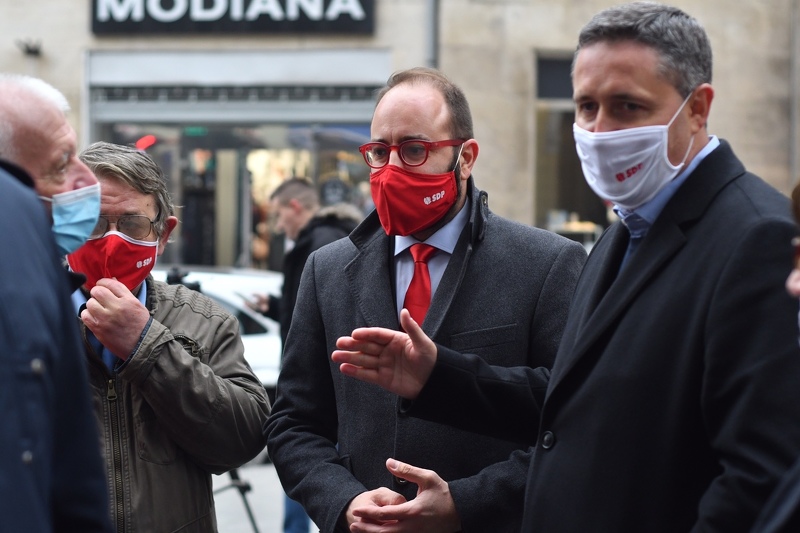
x=400, y=363
x=115, y=316
x=433, y=510
x=372, y=499
x=257, y=302
x=793, y=283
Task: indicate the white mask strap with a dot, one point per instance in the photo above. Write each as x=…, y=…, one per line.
x=679, y=110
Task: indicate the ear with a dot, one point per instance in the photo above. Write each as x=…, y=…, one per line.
x=162, y=241
x=468, y=156
x=700, y=106
x=295, y=205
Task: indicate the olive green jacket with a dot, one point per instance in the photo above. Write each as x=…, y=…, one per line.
x=186, y=405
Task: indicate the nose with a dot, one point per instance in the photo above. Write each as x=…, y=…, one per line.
x=602, y=122
x=81, y=175
x=394, y=156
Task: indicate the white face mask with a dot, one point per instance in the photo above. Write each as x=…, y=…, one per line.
x=628, y=167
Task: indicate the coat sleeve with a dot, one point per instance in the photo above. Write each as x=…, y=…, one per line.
x=302, y=431
x=466, y=392
x=751, y=369
x=507, y=402
x=206, y=398
x=79, y=494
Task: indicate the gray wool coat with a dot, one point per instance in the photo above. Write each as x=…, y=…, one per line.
x=504, y=296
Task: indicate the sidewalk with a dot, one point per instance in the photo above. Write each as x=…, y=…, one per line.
x=265, y=499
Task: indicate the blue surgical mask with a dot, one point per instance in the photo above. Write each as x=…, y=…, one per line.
x=75, y=215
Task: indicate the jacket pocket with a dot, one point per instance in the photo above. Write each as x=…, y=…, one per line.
x=152, y=443
x=483, y=338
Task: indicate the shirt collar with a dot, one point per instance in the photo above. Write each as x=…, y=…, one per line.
x=79, y=298
x=649, y=211
x=444, y=239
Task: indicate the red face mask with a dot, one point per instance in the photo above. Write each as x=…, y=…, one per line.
x=408, y=202
x=114, y=255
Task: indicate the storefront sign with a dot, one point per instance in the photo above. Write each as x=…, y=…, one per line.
x=111, y=17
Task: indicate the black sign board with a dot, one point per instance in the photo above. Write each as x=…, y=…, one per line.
x=118, y=17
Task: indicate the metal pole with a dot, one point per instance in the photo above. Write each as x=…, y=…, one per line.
x=433, y=33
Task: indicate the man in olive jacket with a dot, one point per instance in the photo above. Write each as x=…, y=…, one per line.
x=173, y=394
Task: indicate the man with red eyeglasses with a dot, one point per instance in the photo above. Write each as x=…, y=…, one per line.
x=497, y=288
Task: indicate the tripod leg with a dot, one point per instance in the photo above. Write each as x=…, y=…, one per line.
x=244, y=487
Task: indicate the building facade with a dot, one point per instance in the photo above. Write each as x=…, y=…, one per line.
x=233, y=96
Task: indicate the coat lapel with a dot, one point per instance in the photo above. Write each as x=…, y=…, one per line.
x=370, y=275
x=449, y=284
x=596, y=310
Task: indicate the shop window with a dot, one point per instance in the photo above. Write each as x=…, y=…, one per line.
x=221, y=177
x=564, y=203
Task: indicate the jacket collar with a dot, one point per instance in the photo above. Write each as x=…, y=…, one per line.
x=370, y=228
x=17, y=172
x=372, y=266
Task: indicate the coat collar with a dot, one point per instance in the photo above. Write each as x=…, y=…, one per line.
x=373, y=267
x=603, y=294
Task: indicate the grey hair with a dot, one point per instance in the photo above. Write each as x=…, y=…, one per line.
x=14, y=87
x=134, y=168
x=679, y=39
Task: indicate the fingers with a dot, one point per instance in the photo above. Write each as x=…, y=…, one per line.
x=117, y=288
x=358, y=359
x=415, y=333
x=793, y=283
x=419, y=476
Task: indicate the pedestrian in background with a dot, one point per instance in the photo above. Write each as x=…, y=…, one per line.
x=173, y=394
x=53, y=479
x=673, y=404
x=483, y=283
x=295, y=206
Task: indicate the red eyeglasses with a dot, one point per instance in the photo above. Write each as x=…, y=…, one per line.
x=413, y=152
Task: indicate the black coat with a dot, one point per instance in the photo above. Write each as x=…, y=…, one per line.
x=503, y=295
x=328, y=225
x=673, y=404
x=52, y=474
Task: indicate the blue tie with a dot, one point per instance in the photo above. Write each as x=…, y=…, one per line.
x=108, y=358
x=637, y=227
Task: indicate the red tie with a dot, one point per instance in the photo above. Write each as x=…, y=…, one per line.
x=418, y=295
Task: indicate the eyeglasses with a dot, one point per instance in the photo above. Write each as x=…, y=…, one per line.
x=413, y=152
x=134, y=226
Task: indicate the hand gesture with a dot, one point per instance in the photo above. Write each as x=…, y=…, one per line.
x=433, y=510
x=115, y=316
x=400, y=363
x=257, y=302
x=373, y=499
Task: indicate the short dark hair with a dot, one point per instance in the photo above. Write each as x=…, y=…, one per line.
x=460, y=114
x=679, y=39
x=299, y=189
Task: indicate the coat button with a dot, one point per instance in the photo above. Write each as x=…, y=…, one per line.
x=27, y=457
x=37, y=366
x=400, y=481
x=548, y=439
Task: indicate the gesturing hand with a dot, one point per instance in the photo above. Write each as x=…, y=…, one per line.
x=373, y=499
x=400, y=363
x=433, y=510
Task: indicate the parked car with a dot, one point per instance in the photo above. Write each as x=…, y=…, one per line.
x=229, y=287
